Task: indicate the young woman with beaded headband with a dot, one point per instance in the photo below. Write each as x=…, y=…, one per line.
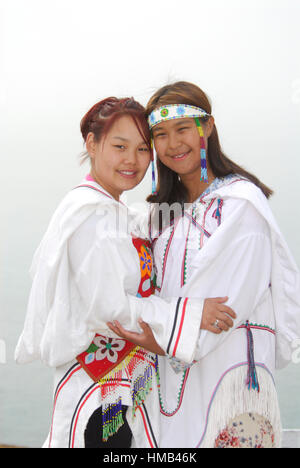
x=92, y=266
x=191, y=102
x=222, y=241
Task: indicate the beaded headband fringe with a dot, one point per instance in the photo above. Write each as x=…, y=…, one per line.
x=179, y=111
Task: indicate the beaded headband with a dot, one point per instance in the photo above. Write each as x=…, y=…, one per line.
x=180, y=111
x=174, y=111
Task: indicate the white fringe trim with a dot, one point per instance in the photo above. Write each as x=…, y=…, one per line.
x=233, y=398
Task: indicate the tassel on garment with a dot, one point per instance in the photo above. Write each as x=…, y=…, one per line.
x=218, y=211
x=252, y=380
x=112, y=419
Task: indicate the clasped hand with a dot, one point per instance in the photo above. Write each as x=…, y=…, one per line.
x=216, y=318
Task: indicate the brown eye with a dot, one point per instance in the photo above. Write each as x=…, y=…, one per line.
x=144, y=149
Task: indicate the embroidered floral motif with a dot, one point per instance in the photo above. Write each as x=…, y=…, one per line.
x=152, y=118
x=247, y=430
x=164, y=112
x=107, y=348
x=180, y=110
x=146, y=262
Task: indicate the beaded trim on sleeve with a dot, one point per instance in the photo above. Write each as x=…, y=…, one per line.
x=163, y=410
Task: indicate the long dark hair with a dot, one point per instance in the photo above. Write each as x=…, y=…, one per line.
x=169, y=188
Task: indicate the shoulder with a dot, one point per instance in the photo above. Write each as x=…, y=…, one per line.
x=245, y=189
x=79, y=215
x=245, y=204
x=79, y=203
x=103, y=232
x=84, y=195
x=101, y=220
x=78, y=211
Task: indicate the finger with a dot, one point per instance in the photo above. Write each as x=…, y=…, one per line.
x=222, y=326
x=221, y=322
x=115, y=329
x=111, y=327
x=221, y=316
x=141, y=322
x=123, y=331
x=131, y=336
x=120, y=331
x=119, y=327
x=220, y=300
x=213, y=329
x=144, y=326
x=227, y=310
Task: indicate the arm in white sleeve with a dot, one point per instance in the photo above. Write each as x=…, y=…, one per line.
x=242, y=272
x=85, y=279
x=175, y=324
x=102, y=283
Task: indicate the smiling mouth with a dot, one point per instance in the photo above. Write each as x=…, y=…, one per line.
x=128, y=174
x=181, y=156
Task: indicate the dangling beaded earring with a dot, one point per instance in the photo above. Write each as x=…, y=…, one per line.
x=154, y=192
x=203, y=151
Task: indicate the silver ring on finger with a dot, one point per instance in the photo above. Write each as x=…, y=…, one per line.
x=216, y=324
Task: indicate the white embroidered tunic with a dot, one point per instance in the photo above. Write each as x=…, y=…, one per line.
x=85, y=273
x=226, y=244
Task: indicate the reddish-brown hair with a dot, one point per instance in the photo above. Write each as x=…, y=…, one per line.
x=101, y=117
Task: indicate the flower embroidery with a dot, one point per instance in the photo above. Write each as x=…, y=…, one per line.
x=180, y=110
x=152, y=118
x=145, y=262
x=108, y=348
x=164, y=112
x=246, y=431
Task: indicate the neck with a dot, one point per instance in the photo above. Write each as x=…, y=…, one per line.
x=116, y=195
x=195, y=186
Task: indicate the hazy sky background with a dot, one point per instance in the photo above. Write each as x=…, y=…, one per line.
x=59, y=57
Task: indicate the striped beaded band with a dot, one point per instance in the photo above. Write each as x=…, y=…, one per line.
x=175, y=111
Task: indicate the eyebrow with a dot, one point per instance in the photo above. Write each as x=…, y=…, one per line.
x=119, y=138
x=176, y=124
x=157, y=129
x=126, y=140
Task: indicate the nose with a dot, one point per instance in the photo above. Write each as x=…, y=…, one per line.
x=130, y=157
x=173, y=141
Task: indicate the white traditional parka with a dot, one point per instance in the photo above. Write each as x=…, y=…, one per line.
x=91, y=268
x=227, y=243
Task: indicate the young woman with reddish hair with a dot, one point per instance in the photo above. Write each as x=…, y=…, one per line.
x=222, y=241
x=94, y=266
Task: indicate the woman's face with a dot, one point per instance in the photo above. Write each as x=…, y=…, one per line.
x=177, y=143
x=120, y=159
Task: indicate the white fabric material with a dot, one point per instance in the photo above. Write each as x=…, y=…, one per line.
x=246, y=259
x=86, y=272
x=250, y=234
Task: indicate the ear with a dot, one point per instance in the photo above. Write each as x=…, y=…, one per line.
x=91, y=144
x=210, y=125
